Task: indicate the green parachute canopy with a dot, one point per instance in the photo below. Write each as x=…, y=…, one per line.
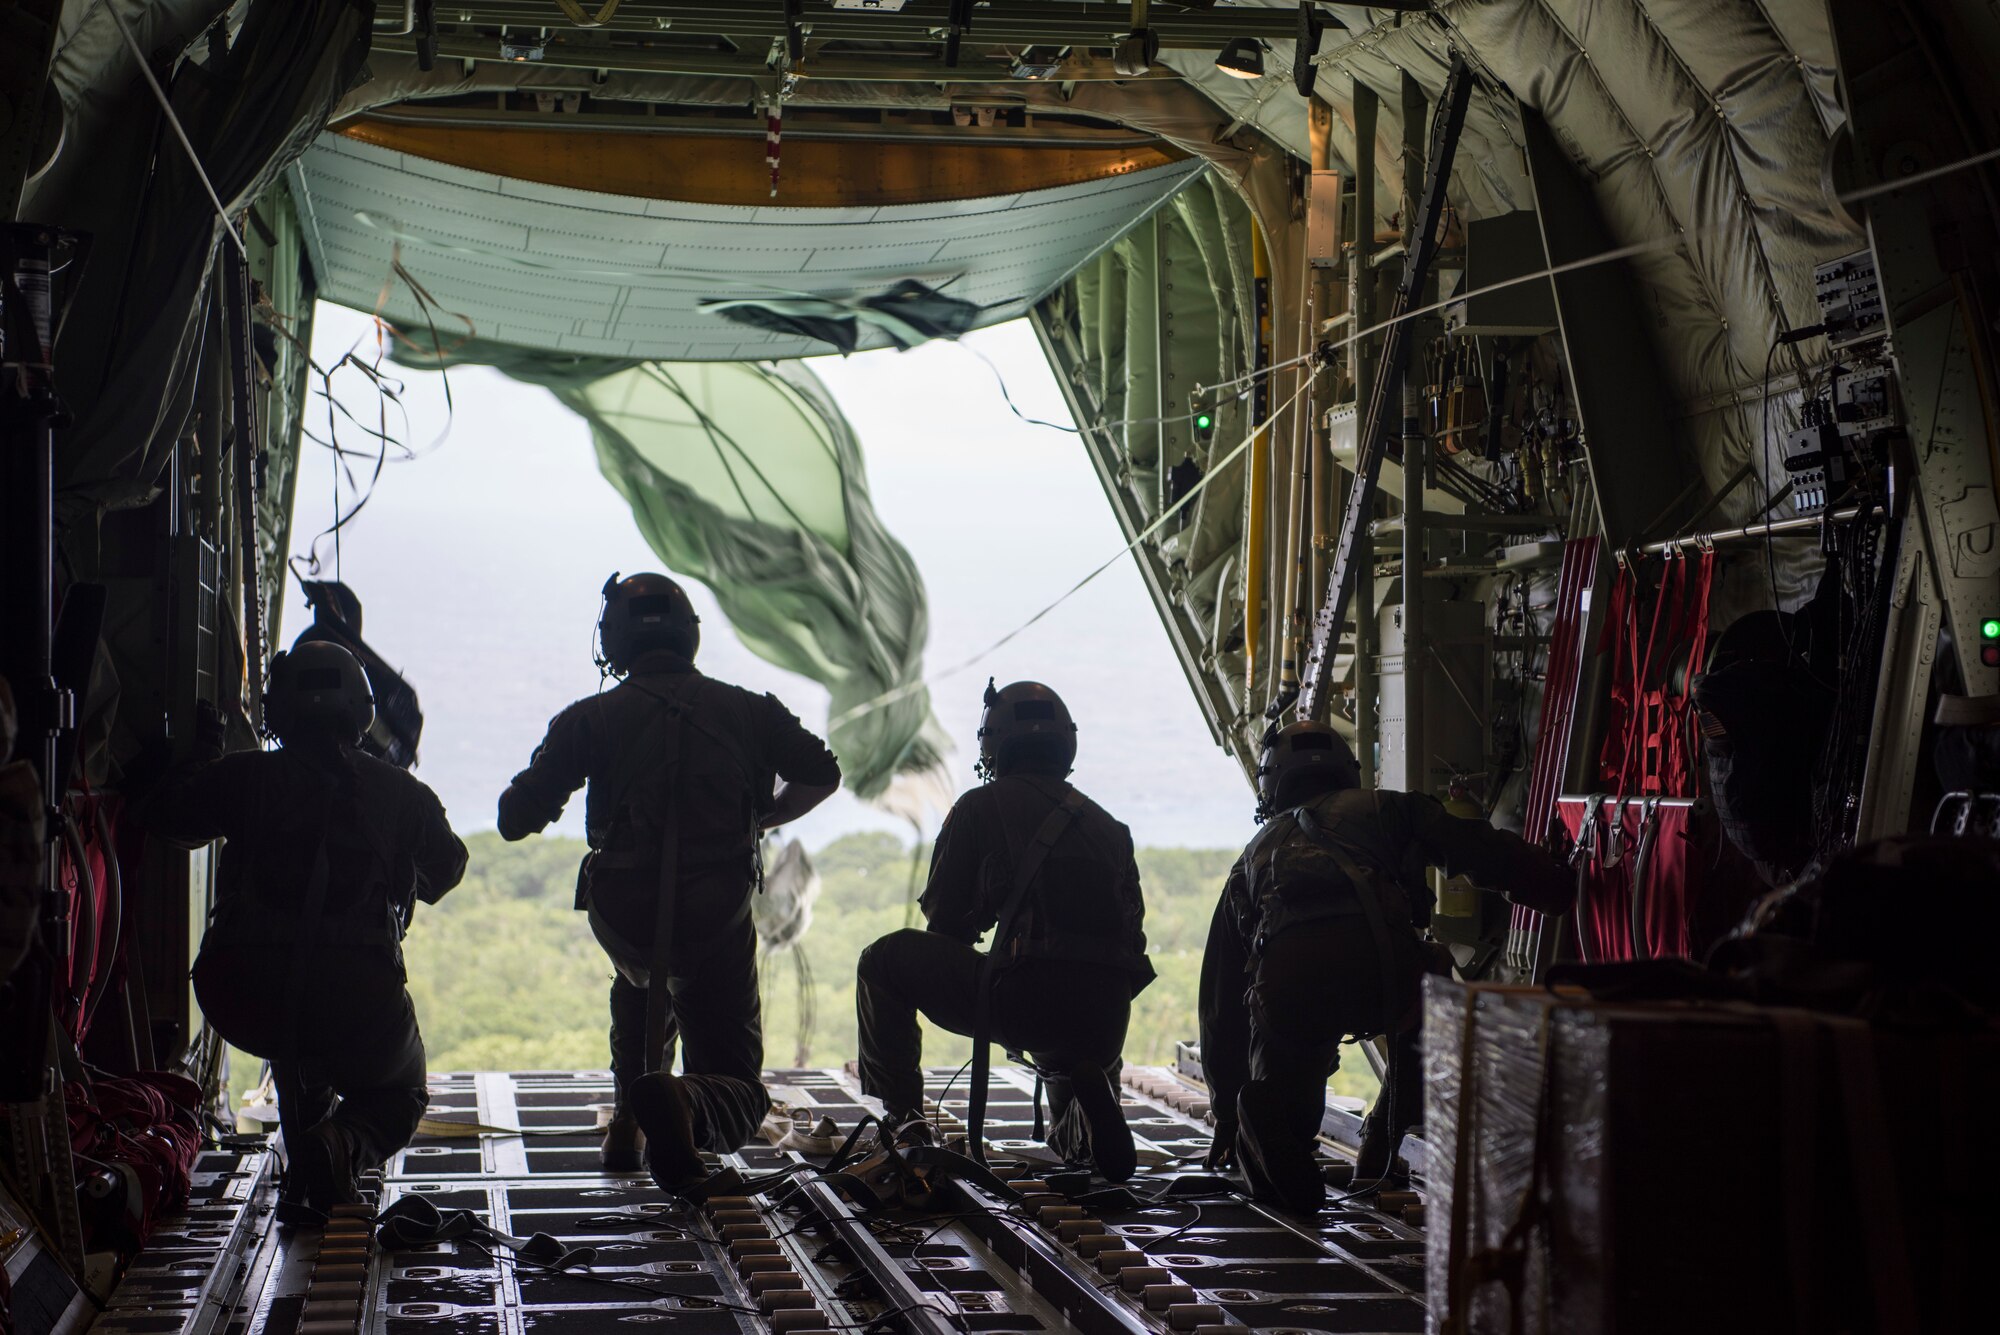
x=746, y=477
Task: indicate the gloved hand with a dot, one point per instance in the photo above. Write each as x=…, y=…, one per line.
x=1221, y=1154
x=211, y=731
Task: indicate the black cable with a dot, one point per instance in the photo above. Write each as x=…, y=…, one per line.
x=1176, y=1232
x=937, y=1122
x=1031, y=421
x=627, y=1284
x=1770, y=553
x=620, y=1217
x=1388, y=1097
x=947, y=1222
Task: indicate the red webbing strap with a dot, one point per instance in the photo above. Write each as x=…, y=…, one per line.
x=1604, y=887
x=1637, y=876
x=1559, y=687
x=1614, y=902
x=1643, y=744
x=1620, y=637
x=1647, y=751
x=1557, y=675
x=1576, y=605
x=1682, y=775
x=1671, y=885
x=1556, y=728
x=1618, y=842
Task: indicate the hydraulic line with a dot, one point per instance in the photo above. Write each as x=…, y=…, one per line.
x=1296, y=463
x=1258, y=471
x=1416, y=456
x=1361, y=306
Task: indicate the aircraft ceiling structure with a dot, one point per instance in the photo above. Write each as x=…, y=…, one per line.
x=1699, y=132
x=1703, y=131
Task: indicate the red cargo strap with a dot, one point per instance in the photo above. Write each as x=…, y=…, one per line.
x=1648, y=750
x=1681, y=758
x=1554, y=730
x=1628, y=845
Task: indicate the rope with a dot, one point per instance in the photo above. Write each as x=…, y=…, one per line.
x=174, y=122
x=890, y=697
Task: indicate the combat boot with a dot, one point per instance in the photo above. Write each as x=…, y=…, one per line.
x=666, y=1118
x=320, y=1176
x=1111, y=1148
x=1375, y=1163
x=624, y=1143
x=905, y=1131
x=1277, y=1162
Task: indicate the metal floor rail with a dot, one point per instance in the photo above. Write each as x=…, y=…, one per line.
x=804, y=1262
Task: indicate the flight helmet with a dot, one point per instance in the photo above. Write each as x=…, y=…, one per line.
x=1025, y=727
x=644, y=613
x=1301, y=761
x=319, y=689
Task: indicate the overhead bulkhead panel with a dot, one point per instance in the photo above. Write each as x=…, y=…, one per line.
x=564, y=269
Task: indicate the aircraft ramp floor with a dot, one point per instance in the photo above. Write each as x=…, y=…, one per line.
x=795, y=1261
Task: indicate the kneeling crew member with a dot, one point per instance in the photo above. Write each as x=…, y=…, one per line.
x=327, y=850
x=1053, y=872
x=1315, y=938
x=683, y=773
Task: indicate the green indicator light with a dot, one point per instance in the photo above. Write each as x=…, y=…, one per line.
x=1203, y=422
x=1990, y=628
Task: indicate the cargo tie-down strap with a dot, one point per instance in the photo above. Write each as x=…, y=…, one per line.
x=1556, y=731
x=413, y=1221
x=1648, y=749
x=909, y=1177
x=1068, y=803
x=1367, y=889
x=1639, y=878
x=1637, y=885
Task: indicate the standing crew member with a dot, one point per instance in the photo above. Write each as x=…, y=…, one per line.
x=1031, y=856
x=328, y=850
x=1315, y=938
x=683, y=773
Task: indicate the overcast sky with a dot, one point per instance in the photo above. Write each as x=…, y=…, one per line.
x=479, y=565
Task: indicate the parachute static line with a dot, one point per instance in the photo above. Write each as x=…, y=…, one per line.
x=883, y=701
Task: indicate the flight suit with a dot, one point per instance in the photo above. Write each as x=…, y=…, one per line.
x=1294, y=964
x=676, y=758
x=319, y=994
x=1062, y=992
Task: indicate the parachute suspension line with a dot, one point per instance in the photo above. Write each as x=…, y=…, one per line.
x=916, y=866
x=890, y=697
x=1013, y=407
x=808, y=998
